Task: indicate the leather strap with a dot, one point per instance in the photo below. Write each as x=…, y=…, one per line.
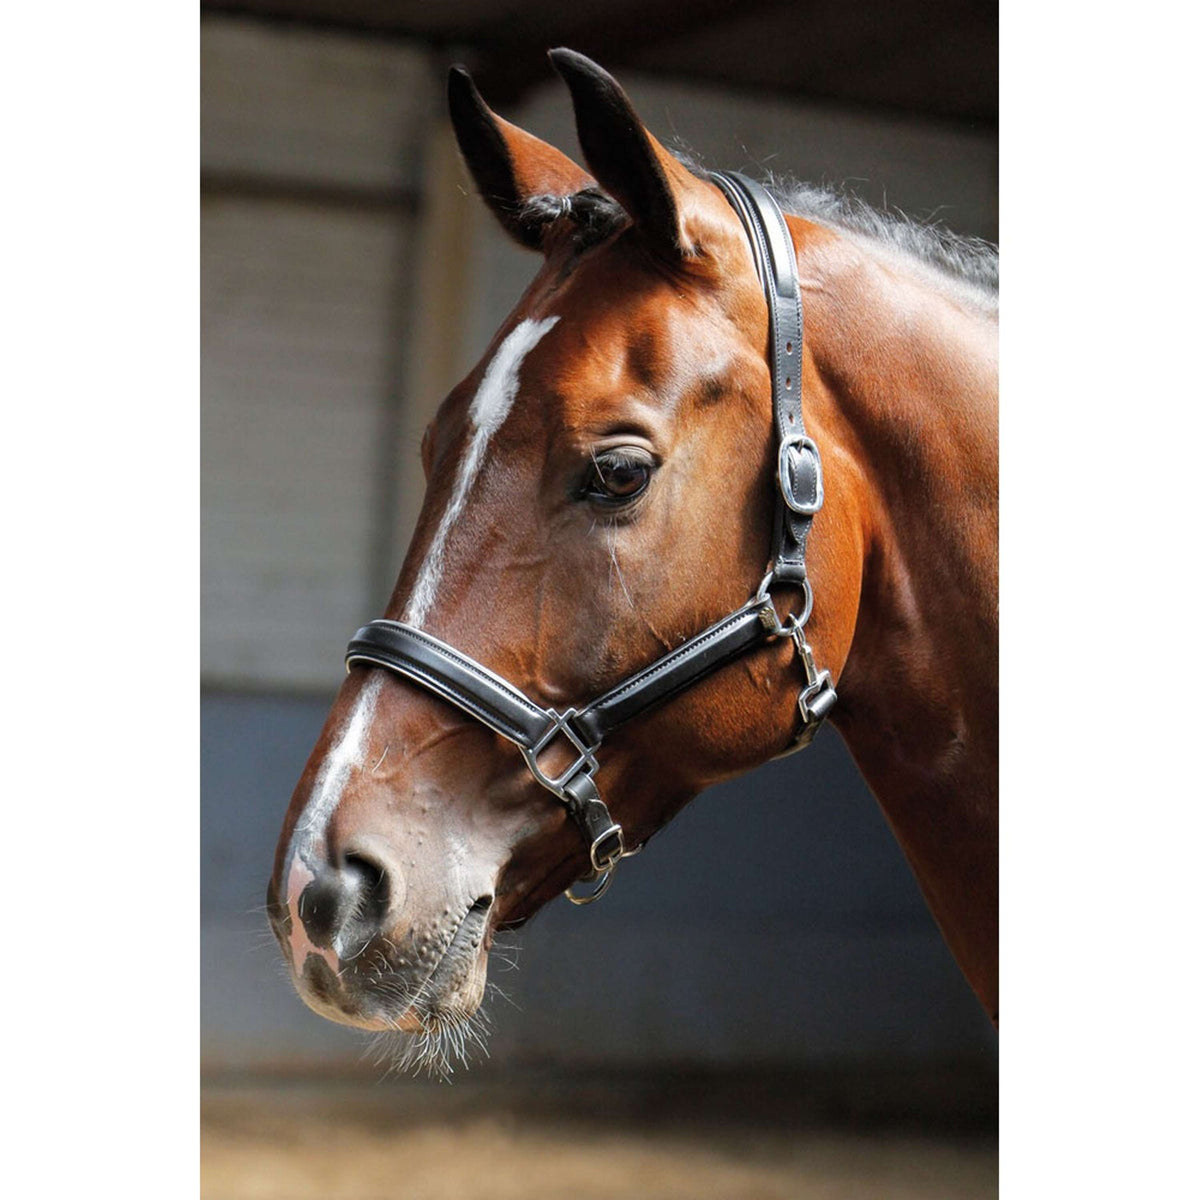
x=676, y=671
x=800, y=491
x=506, y=710
x=494, y=702
x=454, y=676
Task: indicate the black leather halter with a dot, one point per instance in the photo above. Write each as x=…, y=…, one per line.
x=503, y=708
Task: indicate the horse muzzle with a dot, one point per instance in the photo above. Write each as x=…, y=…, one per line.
x=360, y=950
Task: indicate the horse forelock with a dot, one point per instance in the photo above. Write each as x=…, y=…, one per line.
x=592, y=215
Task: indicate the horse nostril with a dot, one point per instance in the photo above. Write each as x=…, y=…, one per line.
x=371, y=873
x=367, y=880
x=321, y=906
x=346, y=901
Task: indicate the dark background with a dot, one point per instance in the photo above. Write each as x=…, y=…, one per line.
x=933, y=58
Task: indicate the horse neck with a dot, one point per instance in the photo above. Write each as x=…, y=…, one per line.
x=907, y=393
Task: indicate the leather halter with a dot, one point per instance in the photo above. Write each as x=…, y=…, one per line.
x=506, y=710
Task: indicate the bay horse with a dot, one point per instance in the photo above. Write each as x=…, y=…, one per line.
x=603, y=495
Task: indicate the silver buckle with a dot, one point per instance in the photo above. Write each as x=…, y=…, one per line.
x=604, y=866
x=607, y=862
x=803, y=508
x=585, y=762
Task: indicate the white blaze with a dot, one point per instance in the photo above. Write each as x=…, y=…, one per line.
x=491, y=405
x=340, y=761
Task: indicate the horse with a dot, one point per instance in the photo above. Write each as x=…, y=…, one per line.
x=602, y=517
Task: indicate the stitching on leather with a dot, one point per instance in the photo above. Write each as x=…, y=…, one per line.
x=447, y=691
x=477, y=671
x=795, y=527
x=680, y=655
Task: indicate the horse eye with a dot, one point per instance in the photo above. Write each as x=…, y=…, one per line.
x=619, y=476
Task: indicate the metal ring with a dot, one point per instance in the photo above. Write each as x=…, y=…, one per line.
x=794, y=623
x=806, y=612
x=592, y=897
x=605, y=873
x=764, y=588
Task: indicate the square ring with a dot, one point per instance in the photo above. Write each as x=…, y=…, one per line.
x=586, y=760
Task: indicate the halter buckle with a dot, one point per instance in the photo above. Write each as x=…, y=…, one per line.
x=801, y=443
x=608, y=849
x=606, y=852
x=586, y=760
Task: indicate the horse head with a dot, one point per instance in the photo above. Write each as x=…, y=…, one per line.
x=600, y=489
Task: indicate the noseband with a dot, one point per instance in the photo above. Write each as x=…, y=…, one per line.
x=506, y=710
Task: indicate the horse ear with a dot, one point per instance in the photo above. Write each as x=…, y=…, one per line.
x=658, y=192
x=508, y=164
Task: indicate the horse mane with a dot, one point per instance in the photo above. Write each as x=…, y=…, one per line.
x=970, y=263
x=967, y=267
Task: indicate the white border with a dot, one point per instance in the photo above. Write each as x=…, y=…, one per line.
x=100, y=386
x=1098, y=446
x=101, y=504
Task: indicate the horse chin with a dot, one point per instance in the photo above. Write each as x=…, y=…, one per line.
x=443, y=1026
x=411, y=990
x=451, y=996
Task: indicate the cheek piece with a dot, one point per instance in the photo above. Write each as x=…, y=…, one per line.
x=507, y=711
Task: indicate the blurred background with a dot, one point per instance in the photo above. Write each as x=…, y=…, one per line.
x=765, y=981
